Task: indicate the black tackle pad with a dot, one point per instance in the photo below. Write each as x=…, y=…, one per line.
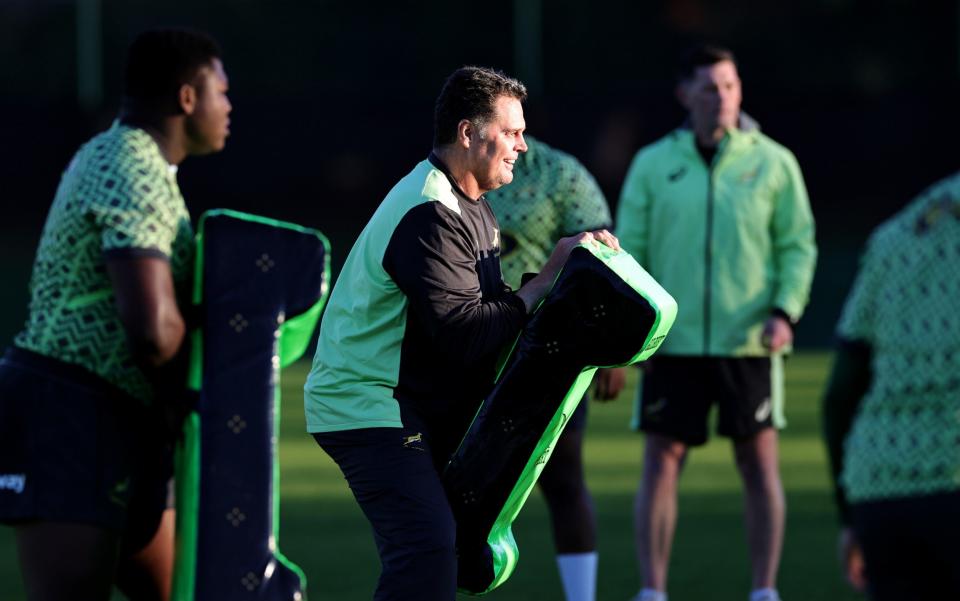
x=602, y=311
x=260, y=287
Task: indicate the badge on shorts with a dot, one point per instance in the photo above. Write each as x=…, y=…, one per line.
x=763, y=411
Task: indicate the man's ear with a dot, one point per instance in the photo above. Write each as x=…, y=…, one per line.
x=187, y=99
x=465, y=131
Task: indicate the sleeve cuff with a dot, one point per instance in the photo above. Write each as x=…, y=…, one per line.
x=134, y=253
x=778, y=312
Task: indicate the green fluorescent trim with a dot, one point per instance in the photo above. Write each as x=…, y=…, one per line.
x=293, y=338
x=195, y=369
x=197, y=297
x=776, y=391
x=275, y=492
x=188, y=501
x=500, y=539
x=295, y=333
x=664, y=305
x=271, y=222
x=187, y=456
x=282, y=559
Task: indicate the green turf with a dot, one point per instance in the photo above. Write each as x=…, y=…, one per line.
x=324, y=532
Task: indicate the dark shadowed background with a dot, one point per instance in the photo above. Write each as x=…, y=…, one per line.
x=333, y=101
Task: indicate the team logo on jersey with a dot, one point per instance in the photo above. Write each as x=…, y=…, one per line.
x=748, y=176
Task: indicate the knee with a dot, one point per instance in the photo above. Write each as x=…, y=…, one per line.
x=438, y=535
x=664, y=457
x=762, y=481
x=756, y=458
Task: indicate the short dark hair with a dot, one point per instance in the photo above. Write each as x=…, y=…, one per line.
x=471, y=93
x=702, y=55
x=159, y=61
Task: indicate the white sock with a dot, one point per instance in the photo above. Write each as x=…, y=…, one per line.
x=578, y=573
x=651, y=594
x=765, y=594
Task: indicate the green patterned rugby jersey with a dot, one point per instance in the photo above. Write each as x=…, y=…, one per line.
x=118, y=195
x=552, y=195
x=905, y=440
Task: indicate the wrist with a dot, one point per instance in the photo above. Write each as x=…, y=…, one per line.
x=532, y=292
x=778, y=312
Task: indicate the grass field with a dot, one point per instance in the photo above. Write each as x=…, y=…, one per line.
x=324, y=532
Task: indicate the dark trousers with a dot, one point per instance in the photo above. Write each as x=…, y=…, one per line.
x=393, y=477
x=910, y=547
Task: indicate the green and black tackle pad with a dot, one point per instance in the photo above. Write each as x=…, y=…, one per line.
x=604, y=310
x=259, y=288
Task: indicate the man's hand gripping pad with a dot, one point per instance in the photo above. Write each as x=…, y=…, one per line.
x=259, y=288
x=604, y=310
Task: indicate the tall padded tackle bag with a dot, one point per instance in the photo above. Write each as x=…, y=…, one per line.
x=604, y=310
x=259, y=288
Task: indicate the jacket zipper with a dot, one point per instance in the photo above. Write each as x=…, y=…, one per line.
x=708, y=259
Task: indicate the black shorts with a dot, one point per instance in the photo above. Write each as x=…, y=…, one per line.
x=75, y=449
x=677, y=392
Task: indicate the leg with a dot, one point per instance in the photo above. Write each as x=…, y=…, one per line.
x=565, y=490
x=655, y=509
x=764, y=503
x=146, y=574
x=62, y=561
x=399, y=491
x=571, y=515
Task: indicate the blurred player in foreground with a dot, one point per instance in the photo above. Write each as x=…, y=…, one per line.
x=892, y=407
x=85, y=459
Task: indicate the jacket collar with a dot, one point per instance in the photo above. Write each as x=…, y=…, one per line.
x=734, y=139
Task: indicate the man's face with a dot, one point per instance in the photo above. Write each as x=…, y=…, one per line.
x=495, y=148
x=712, y=95
x=209, y=124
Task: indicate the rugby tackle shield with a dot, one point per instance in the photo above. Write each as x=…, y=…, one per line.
x=260, y=286
x=604, y=310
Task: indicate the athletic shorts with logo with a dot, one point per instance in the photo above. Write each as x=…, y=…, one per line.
x=75, y=449
x=677, y=393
